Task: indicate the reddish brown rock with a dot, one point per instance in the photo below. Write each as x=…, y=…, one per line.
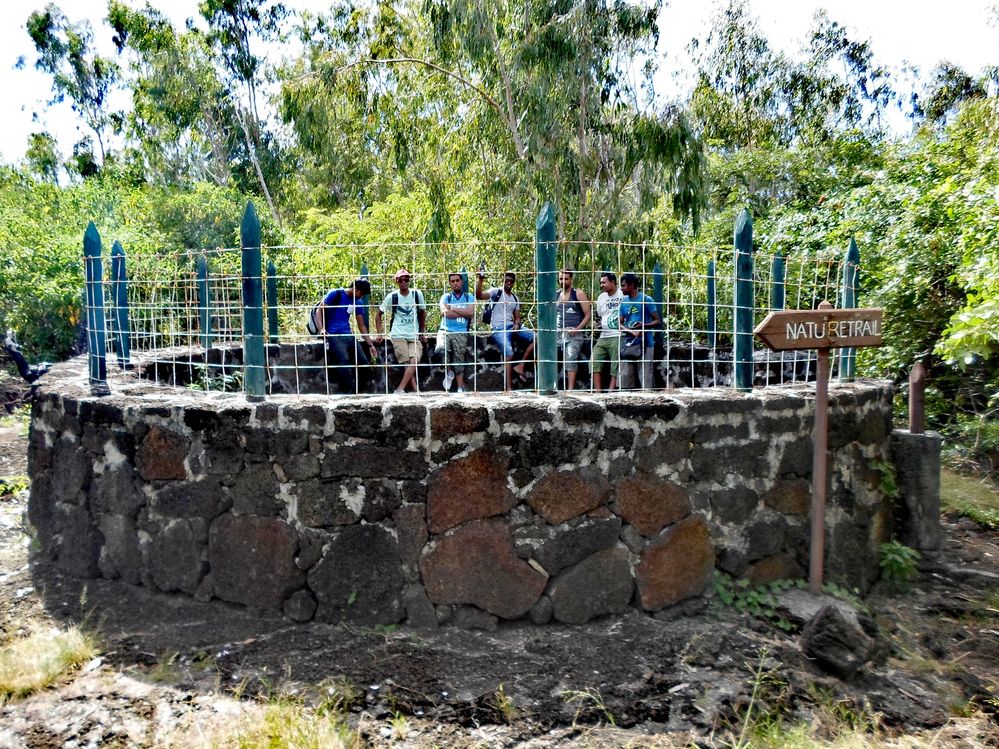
x=454, y=419
x=563, y=495
x=650, y=503
x=252, y=560
x=161, y=455
x=470, y=488
x=675, y=566
x=477, y=565
x=790, y=497
x=774, y=567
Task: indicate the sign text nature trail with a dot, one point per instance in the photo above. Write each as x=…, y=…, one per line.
x=821, y=329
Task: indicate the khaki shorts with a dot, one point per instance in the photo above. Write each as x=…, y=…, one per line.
x=605, y=350
x=406, y=350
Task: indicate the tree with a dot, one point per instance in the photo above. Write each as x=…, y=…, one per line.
x=43, y=157
x=65, y=52
x=233, y=27
x=182, y=119
x=949, y=86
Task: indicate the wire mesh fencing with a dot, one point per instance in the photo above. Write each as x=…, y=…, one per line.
x=459, y=315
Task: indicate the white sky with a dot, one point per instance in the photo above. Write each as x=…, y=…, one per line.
x=962, y=31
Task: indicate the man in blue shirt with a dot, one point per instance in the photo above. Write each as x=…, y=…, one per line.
x=458, y=310
x=638, y=318
x=344, y=354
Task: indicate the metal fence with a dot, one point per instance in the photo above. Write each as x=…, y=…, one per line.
x=235, y=319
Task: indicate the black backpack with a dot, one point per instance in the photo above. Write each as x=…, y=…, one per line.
x=487, y=311
x=417, y=302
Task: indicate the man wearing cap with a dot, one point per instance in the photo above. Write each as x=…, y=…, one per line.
x=408, y=332
x=344, y=353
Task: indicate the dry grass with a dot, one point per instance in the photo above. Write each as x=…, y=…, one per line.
x=32, y=663
x=282, y=724
x=974, y=732
x=976, y=499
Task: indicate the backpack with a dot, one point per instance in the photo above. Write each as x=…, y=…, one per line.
x=315, y=320
x=487, y=311
x=468, y=321
x=417, y=302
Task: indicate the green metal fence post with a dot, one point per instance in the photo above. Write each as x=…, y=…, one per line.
x=544, y=292
x=851, y=277
x=119, y=292
x=253, y=309
x=96, y=339
x=657, y=297
x=712, y=304
x=204, y=302
x=366, y=299
x=272, y=317
x=778, y=273
x=743, y=333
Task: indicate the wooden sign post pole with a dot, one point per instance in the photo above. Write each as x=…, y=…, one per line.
x=819, y=469
x=822, y=329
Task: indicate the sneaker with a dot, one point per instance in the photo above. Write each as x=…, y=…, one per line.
x=460, y=390
x=398, y=391
x=448, y=379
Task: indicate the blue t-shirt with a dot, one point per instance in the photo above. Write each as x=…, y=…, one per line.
x=639, y=309
x=458, y=301
x=339, y=307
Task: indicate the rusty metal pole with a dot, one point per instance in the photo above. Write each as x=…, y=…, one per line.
x=819, y=469
x=917, y=398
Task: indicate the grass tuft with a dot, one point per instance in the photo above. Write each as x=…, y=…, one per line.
x=32, y=663
x=279, y=724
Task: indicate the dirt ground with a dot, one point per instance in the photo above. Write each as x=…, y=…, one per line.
x=170, y=666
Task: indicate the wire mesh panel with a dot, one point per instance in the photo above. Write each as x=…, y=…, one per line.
x=687, y=293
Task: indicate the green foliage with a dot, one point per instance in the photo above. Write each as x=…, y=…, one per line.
x=217, y=380
x=886, y=483
x=11, y=485
x=759, y=602
x=41, y=233
x=898, y=562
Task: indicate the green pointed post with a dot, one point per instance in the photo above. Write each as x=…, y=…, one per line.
x=712, y=304
x=366, y=299
x=119, y=292
x=204, y=302
x=778, y=284
x=253, y=307
x=272, y=316
x=96, y=338
x=742, y=359
x=851, y=278
x=657, y=297
x=544, y=292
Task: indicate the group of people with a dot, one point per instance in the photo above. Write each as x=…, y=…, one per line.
x=622, y=352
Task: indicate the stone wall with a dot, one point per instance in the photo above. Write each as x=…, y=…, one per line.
x=429, y=509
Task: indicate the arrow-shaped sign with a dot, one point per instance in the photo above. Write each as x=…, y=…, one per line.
x=821, y=329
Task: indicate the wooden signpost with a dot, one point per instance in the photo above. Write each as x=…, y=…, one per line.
x=821, y=329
